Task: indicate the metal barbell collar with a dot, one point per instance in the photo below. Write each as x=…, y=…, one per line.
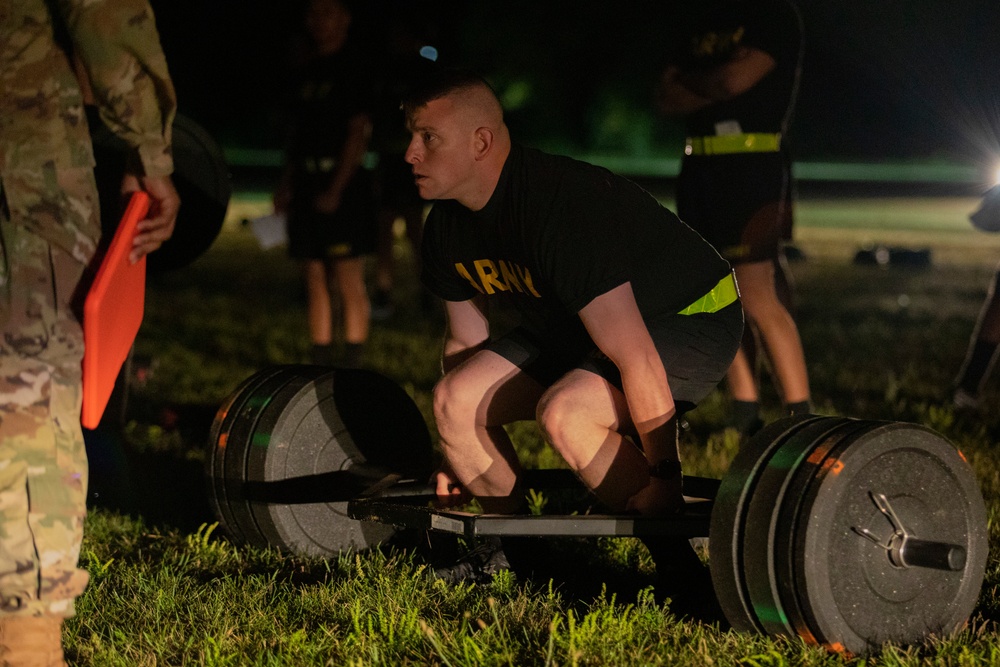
x=905, y=550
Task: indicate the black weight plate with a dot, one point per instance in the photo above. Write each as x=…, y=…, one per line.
x=218, y=440
x=342, y=419
x=853, y=598
x=303, y=434
x=240, y=442
x=200, y=176
x=760, y=519
x=787, y=513
x=202, y=179
x=787, y=559
x=218, y=435
x=725, y=544
x=232, y=420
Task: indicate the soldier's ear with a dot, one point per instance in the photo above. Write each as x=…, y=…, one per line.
x=483, y=143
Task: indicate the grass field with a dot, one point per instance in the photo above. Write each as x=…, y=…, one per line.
x=882, y=342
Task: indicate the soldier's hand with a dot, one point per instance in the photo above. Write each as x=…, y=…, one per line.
x=447, y=488
x=327, y=202
x=159, y=223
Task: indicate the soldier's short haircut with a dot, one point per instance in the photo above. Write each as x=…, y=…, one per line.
x=441, y=82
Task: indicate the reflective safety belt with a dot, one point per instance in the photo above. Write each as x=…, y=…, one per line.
x=727, y=144
x=720, y=296
x=319, y=165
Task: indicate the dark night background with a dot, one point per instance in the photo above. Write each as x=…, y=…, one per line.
x=884, y=80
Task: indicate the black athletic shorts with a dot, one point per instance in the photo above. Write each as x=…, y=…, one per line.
x=350, y=231
x=740, y=203
x=696, y=350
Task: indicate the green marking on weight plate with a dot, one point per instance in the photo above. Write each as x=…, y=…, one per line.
x=260, y=439
x=770, y=614
x=258, y=401
x=784, y=459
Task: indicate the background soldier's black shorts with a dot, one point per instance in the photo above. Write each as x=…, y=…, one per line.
x=739, y=203
x=350, y=231
x=696, y=350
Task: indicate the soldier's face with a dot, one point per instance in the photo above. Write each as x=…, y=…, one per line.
x=441, y=151
x=327, y=20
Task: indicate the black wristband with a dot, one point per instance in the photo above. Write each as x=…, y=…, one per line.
x=665, y=469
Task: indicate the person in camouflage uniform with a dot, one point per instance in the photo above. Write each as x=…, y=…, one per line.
x=49, y=230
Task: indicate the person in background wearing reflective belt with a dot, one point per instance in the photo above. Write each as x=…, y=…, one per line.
x=49, y=230
x=622, y=318
x=734, y=77
x=326, y=193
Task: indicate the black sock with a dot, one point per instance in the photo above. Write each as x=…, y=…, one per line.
x=746, y=415
x=799, y=408
x=322, y=355
x=977, y=366
x=527, y=554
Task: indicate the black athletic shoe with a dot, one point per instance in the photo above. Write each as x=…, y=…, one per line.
x=684, y=580
x=478, y=565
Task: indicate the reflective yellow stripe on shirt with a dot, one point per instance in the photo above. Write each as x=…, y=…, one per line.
x=733, y=143
x=720, y=296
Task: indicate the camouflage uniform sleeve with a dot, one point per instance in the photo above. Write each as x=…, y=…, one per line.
x=119, y=46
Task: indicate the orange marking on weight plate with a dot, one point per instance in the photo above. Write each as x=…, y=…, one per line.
x=962, y=455
x=820, y=452
x=833, y=466
x=223, y=438
x=806, y=635
x=837, y=647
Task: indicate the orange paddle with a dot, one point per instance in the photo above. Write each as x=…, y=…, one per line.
x=112, y=313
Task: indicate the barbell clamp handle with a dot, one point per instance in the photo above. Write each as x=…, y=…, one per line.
x=882, y=503
x=869, y=535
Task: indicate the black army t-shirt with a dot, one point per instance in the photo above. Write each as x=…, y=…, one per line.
x=557, y=233
x=709, y=33
x=331, y=90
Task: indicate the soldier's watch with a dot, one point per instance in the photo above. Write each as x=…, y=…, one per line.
x=665, y=469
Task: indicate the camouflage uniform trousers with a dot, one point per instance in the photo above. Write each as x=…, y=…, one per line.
x=43, y=460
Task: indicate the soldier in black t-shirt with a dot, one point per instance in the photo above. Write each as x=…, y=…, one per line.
x=734, y=76
x=325, y=191
x=619, y=316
